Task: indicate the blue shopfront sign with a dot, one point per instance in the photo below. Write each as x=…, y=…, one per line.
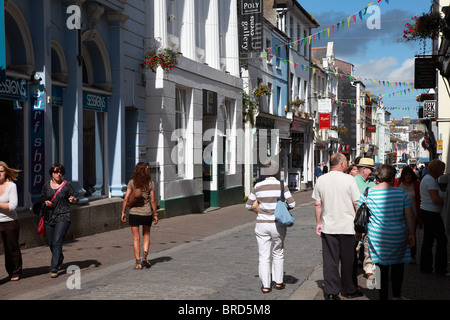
x=14, y=89
x=57, y=96
x=95, y=101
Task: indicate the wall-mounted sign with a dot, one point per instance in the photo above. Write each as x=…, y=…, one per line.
x=37, y=154
x=429, y=109
x=95, y=101
x=324, y=120
x=250, y=26
x=14, y=88
x=425, y=73
x=324, y=105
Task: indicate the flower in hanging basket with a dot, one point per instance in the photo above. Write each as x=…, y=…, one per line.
x=261, y=90
x=297, y=103
x=164, y=58
x=424, y=27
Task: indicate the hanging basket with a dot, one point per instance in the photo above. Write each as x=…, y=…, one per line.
x=164, y=58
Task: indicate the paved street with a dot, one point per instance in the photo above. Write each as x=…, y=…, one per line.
x=211, y=256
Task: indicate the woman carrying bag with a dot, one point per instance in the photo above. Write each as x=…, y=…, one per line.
x=141, y=211
x=57, y=195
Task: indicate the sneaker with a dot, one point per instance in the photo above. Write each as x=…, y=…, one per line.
x=53, y=275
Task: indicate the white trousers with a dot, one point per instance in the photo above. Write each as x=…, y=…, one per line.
x=270, y=238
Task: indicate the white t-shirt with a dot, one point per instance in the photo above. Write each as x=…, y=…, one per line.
x=10, y=196
x=337, y=191
x=429, y=183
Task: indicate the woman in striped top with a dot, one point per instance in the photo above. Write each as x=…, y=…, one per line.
x=391, y=229
x=269, y=235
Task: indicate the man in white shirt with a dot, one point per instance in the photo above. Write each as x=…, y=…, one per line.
x=336, y=195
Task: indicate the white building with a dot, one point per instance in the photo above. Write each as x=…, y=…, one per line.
x=194, y=112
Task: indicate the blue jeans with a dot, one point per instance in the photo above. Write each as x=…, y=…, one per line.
x=55, y=237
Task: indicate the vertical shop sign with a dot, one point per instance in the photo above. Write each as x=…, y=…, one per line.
x=250, y=26
x=37, y=139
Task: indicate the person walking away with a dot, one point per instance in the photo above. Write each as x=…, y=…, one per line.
x=365, y=169
x=324, y=168
x=57, y=213
x=390, y=230
x=409, y=182
x=433, y=225
x=270, y=235
x=336, y=195
x=9, y=224
x=141, y=213
x=318, y=171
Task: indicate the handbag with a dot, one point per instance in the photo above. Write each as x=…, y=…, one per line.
x=362, y=215
x=134, y=197
x=41, y=227
x=282, y=214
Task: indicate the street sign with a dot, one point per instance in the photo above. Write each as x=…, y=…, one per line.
x=429, y=109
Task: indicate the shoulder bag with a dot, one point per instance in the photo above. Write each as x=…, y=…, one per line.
x=282, y=214
x=41, y=228
x=134, y=197
x=362, y=215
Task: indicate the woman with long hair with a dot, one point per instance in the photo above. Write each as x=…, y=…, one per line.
x=141, y=213
x=9, y=224
x=433, y=225
x=410, y=183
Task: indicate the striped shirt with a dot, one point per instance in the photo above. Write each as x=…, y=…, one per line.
x=387, y=230
x=267, y=193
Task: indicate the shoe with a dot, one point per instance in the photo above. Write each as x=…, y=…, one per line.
x=53, y=275
x=331, y=297
x=138, y=265
x=15, y=278
x=145, y=262
x=352, y=295
x=265, y=290
x=280, y=286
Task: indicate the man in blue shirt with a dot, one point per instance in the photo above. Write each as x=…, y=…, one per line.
x=318, y=171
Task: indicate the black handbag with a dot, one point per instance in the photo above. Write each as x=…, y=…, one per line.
x=362, y=215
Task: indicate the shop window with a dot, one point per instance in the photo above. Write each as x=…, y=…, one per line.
x=180, y=127
x=57, y=134
x=93, y=153
x=12, y=140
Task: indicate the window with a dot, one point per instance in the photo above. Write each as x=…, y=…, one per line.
x=93, y=152
x=230, y=146
x=180, y=127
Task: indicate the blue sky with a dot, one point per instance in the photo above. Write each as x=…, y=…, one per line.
x=376, y=53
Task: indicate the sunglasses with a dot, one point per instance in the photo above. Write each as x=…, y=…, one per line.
x=57, y=171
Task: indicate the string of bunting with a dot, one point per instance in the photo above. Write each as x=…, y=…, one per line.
x=350, y=102
x=326, y=32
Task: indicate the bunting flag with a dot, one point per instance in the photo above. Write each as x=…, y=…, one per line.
x=334, y=28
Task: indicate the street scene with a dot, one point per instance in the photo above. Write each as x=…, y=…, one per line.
x=161, y=150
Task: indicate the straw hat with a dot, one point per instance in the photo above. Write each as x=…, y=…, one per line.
x=269, y=168
x=366, y=162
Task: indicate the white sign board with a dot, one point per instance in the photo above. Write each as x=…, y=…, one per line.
x=324, y=106
x=429, y=109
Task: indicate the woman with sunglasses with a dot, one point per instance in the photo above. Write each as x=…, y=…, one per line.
x=57, y=195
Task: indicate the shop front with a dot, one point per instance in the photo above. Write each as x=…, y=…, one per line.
x=300, y=156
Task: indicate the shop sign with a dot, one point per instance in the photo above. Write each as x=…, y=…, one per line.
x=250, y=26
x=57, y=96
x=425, y=73
x=95, y=101
x=324, y=106
x=262, y=122
x=37, y=140
x=13, y=88
x=429, y=109
x=324, y=120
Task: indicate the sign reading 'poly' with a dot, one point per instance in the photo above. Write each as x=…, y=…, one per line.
x=250, y=26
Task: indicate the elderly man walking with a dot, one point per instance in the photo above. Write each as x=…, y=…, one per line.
x=336, y=195
x=365, y=169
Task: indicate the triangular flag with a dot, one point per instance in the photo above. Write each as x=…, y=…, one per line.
x=354, y=18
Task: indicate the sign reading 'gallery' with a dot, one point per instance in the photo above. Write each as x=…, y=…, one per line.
x=250, y=25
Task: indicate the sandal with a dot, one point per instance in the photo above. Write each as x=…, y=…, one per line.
x=145, y=262
x=138, y=265
x=280, y=286
x=265, y=290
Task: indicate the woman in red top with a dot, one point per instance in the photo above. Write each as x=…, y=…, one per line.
x=409, y=182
